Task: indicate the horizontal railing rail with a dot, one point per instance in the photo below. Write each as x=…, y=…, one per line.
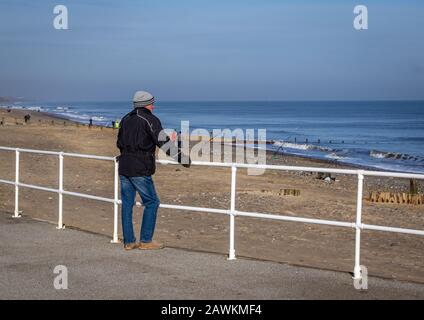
x=231, y=212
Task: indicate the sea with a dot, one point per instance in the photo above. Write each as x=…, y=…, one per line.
x=386, y=135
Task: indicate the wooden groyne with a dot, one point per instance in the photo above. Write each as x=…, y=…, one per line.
x=396, y=197
x=411, y=197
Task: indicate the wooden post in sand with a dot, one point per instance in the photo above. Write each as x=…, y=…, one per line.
x=290, y=192
x=413, y=186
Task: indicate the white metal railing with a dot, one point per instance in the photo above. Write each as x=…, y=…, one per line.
x=232, y=212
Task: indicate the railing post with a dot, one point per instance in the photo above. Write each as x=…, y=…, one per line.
x=115, y=204
x=232, y=251
x=358, y=227
x=16, y=214
x=60, y=224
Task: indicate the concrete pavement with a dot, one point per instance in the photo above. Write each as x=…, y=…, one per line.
x=30, y=250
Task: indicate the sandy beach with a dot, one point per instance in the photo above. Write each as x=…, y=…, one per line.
x=389, y=255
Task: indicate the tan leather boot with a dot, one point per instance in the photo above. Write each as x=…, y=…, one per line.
x=151, y=245
x=131, y=246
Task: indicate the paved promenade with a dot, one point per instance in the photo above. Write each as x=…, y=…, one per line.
x=30, y=250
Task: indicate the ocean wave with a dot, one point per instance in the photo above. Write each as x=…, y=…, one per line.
x=83, y=117
x=62, y=108
x=98, y=118
x=35, y=108
x=301, y=146
x=65, y=111
x=394, y=156
x=357, y=156
x=32, y=108
x=291, y=145
x=335, y=156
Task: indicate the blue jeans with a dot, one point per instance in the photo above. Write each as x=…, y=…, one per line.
x=146, y=188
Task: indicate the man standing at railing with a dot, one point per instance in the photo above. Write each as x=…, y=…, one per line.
x=139, y=134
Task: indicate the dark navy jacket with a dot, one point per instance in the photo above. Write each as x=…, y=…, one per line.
x=140, y=132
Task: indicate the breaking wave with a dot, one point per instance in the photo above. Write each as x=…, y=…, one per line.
x=300, y=146
x=394, y=156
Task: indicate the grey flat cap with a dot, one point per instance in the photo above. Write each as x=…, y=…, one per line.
x=142, y=99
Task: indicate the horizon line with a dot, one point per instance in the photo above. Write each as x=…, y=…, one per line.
x=230, y=100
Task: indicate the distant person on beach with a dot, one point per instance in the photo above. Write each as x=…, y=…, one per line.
x=140, y=132
x=91, y=123
x=27, y=118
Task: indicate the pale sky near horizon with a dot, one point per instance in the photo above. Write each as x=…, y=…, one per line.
x=212, y=50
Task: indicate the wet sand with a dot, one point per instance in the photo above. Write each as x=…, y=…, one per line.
x=387, y=255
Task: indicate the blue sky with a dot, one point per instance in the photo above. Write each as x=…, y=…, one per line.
x=212, y=50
